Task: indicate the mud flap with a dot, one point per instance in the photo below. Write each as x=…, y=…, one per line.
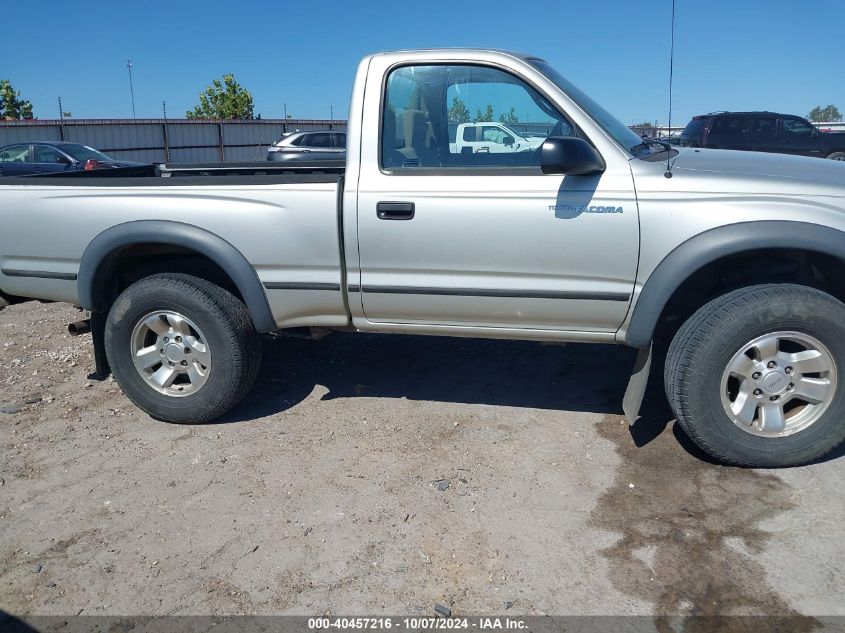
x=635, y=392
x=98, y=337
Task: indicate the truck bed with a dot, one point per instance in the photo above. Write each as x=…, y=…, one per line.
x=283, y=219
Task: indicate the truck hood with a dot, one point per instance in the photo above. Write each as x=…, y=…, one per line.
x=780, y=171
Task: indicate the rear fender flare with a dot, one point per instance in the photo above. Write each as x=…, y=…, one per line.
x=97, y=259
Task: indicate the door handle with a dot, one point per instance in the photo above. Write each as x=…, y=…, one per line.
x=395, y=210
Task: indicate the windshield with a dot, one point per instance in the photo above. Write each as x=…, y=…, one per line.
x=83, y=153
x=609, y=123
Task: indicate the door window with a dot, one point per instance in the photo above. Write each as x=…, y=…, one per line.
x=425, y=105
x=14, y=154
x=764, y=126
x=796, y=127
x=320, y=140
x=727, y=125
x=45, y=154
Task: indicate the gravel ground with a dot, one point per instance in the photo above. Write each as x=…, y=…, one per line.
x=374, y=474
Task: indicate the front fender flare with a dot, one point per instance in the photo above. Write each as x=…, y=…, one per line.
x=707, y=247
x=103, y=248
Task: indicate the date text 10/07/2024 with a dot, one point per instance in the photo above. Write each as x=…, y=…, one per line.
x=488, y=623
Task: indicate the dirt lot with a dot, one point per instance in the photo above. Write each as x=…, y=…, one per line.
x=375, y=474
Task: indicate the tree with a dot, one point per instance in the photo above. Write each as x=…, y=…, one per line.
x=487, y=115
x=820, y=114
x=509, y=117
x=458, y=111
x=11, y=105
x=223, y=100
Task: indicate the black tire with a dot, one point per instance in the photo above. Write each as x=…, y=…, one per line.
x=225, y=322
x=704, y=345
x=837, y=156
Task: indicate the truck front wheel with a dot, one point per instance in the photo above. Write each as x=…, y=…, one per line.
x=181, y=348
x=755, y=377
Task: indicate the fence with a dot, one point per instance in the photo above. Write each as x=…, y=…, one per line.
x=166, y=140
x=209, y=141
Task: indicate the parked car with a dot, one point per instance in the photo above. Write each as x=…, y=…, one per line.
x=493, y=137
x=23, y=159
x=733, y=259
x=763, y=132
x=324, y=145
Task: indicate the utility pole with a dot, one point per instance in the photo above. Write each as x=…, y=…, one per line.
x=131, y=88
x=164, y=108
x=61, y=112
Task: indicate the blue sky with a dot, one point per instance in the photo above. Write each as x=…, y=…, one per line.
x=729, y=55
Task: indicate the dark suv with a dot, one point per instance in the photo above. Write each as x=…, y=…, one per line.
x=762, y=132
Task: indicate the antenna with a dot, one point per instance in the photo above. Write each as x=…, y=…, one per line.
x=668, y=172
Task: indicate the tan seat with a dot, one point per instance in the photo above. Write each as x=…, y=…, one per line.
x=391, y=156
x=416, y=129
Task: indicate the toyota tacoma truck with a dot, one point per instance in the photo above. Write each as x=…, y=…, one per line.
x=731, y=261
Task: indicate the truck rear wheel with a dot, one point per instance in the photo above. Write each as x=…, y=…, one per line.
x=757, y=377
x=182, y=349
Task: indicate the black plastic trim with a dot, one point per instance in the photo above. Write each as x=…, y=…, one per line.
x=482, y=292
x=714, y=244
x=297, y=285
x=96, y=261
x=41, y=274
x=215, y=178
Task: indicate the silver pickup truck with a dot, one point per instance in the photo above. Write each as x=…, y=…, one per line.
x=732, y=260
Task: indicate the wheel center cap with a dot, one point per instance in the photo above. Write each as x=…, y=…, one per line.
x=174, y=353
x=775, y=382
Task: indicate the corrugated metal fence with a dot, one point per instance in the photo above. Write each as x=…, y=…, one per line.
x=205, y=141
x=166, y=140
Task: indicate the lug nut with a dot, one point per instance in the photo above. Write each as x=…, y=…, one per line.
x=178, y=339
x=790, y=387
x=187, y=350
x=756, y=375
x=166, y=339
x=758, y=392
x=773, y=398
x=184, y=363
x=162, y=350
x=771, y=364
x=788, y=370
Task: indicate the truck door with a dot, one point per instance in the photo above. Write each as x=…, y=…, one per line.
x=485, y=239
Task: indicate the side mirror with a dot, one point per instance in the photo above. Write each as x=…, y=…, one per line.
x=508, y=140
x=570, y=155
